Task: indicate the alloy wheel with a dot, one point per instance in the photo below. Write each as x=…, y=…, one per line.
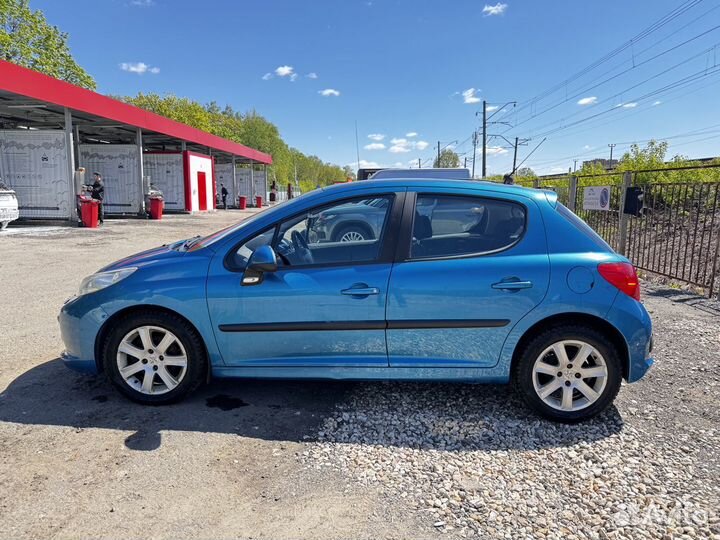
x=352, y=236
x=151, y=360
x=570, y=375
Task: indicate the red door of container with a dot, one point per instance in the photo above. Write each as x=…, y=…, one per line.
x=202, y=190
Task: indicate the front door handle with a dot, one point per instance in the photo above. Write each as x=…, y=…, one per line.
x=512, y=285
x=360, y=290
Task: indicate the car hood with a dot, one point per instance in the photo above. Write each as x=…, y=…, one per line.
x=145, y=258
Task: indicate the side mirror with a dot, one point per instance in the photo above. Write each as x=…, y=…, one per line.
x=262, y=261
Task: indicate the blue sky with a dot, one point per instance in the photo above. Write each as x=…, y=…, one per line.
x=414, y=72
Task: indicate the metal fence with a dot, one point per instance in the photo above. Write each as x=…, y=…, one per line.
x=675, y=235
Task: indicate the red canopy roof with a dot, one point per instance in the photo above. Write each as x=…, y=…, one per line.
x=25, y=82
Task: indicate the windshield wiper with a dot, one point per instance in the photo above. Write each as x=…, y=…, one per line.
x=190, y=242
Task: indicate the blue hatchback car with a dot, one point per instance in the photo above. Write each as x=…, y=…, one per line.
x=460, y=281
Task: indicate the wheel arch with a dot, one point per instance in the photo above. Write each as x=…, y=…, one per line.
x=614, y=335
x=143, y=309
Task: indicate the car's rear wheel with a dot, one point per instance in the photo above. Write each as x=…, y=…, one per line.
x=154, y=358
x=568, y=374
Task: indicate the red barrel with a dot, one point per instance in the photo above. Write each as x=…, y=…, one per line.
x=258, y=201
x=242, y=202
x=156, y=208
x=89, y=212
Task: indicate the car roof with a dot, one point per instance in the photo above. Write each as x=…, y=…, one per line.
x=484, y=185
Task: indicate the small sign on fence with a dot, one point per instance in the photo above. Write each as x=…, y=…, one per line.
x=596, y=198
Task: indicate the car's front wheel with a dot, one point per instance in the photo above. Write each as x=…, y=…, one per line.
x=154, y=358
x=569, y=373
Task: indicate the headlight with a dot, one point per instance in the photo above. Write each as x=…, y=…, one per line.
x=101, y=280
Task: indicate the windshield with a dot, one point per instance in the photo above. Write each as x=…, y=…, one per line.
x=205, y=241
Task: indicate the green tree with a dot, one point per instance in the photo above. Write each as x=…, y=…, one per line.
x=250, y=129
x=28, y=40
x=448, y=160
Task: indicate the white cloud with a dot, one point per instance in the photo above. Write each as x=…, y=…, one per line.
x=329, y=92
x=491, y=108
x=656, y=103
x=376, y=136
x=398, y=149
x=590, y=100
x=402, y=146
x=267, y=76
x=587, y=147
x=496, y=150
x=630, y=105
x=284, y=71
x=469, y=96
x=374, y=146
x=557, y=169
x=312, y=75
x=293, y=77
x=398, y=164
x=139, y=68
x=497, y=9
x=365, y=164
x=143, y=3
x=411, y=134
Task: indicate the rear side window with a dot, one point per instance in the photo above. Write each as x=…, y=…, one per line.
x=583, y=227
x=450, y=226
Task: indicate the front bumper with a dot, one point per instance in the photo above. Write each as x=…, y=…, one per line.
x=80, y=321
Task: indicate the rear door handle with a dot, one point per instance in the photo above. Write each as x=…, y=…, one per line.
x=514, y=285
x=360, y=291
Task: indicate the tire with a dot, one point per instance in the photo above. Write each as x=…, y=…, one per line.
x=359, y=231
x=171, y=339
x=539, y=369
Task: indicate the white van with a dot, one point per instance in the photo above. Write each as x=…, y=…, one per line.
x=447, y=174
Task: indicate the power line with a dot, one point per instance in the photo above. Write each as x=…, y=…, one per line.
x=672, y=15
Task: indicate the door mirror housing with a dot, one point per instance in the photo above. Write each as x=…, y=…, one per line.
x=262, y=261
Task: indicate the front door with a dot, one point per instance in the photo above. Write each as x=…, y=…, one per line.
x=202, y=191
x=475, y=266
x=325, y=305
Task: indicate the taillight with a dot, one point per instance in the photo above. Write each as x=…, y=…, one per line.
x=623, y=276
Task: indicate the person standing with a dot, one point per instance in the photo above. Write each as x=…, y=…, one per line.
x=224, y=194
x=97, y=192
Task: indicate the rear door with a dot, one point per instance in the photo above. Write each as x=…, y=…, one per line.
x=473, y=264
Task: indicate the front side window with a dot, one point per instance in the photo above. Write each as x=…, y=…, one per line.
x=347, y=232
x=450, y=226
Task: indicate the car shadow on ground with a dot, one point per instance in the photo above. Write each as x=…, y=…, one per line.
x=452, y=416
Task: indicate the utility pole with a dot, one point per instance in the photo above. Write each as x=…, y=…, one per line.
x=575, y=165
x=515, y=156
x=484, y=140
x=611, y=149
x=419, y=163
x=475, y=141
x=465, y=163
x=438, y=159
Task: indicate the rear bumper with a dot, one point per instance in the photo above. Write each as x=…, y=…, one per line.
x=80, y=321
x=633, y=321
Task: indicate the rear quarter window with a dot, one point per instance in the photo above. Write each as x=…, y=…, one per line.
x=583, y=227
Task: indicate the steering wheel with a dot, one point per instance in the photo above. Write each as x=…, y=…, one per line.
x=301, y=247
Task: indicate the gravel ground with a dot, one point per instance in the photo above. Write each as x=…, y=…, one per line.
x=475, y=463
x=326, y=460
